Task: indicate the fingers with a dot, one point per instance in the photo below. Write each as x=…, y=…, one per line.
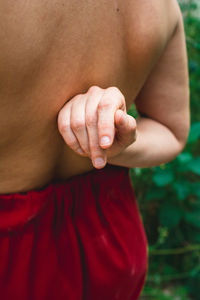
x=111, y=101
x=77, y=121
x=64, y=126
x=98, y=155
x=96, y=122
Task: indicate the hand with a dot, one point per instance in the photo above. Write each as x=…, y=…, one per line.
x=96, y=125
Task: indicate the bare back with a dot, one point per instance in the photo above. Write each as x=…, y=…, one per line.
x=52, y=50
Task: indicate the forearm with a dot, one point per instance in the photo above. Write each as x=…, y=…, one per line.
x=155, y=144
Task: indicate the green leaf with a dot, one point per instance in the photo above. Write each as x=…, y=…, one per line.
x=155, y=194
x=170, y=215
x=193, y=66
x=194, y=132
x=184, y=157
x=194, y=235
x=163, y=177
x=182, y=189
x=195, y=189
x=193, y=218
x=194, y=166
x=133, y=111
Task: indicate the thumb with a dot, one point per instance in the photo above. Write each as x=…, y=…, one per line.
x=125, y=128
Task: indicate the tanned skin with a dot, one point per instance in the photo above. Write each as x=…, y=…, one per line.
x=63, y=61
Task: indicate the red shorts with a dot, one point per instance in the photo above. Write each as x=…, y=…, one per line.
x=78, y=240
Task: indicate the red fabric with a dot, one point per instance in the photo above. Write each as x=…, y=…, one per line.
x=78, y=240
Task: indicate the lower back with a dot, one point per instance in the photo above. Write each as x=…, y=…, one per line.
x=50, y=52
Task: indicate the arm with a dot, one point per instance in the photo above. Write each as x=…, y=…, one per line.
x=163, y=105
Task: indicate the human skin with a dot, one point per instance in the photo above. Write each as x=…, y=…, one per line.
x=53, y=51
x=96, y=125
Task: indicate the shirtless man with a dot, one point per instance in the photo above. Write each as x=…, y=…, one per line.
x=69, y=72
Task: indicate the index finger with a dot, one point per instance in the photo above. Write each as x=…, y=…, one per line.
x=111, y=101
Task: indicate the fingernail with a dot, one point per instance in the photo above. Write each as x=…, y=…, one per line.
x=105, y=140
x=99, y=162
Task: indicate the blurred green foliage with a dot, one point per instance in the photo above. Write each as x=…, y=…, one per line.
x=169, y=199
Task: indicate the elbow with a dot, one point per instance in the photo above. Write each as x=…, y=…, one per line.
x=182, y=138
x=176, y=148
x=181, y=130
x=181, y=147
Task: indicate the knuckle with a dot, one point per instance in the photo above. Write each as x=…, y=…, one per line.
x=93, y=147
x=94, y=89
x=105, y=126
x=77, y=124
x=63, y=127
x=95, y=151
x=91, y=120
x=77, y=98
x=116, y=93
x=113, y=89
x=105, y=103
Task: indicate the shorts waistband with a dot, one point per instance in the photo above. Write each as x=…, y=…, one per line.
x=16, y=208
